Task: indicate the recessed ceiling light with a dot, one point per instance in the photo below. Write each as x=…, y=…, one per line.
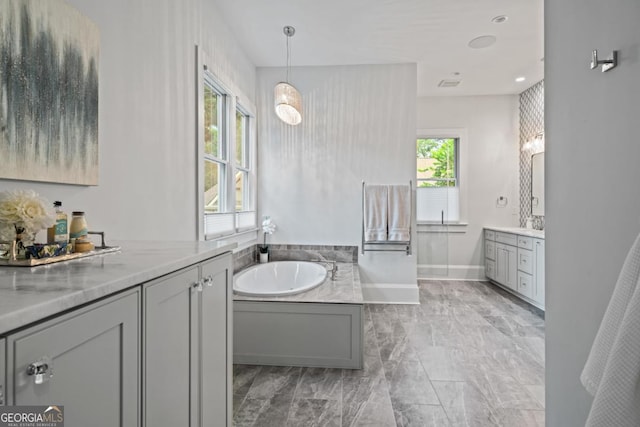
x=520, y=79
x=499, y=19
x=482, y=42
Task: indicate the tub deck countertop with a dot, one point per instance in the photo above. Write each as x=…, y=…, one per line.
x=346, y=289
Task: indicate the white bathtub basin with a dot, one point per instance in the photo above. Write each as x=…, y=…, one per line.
x=279, y=278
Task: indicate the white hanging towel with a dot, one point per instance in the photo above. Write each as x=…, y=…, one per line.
x=375, y=213
x=612, y=371
x=399, y=213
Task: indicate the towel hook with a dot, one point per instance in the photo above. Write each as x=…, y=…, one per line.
x=607, y=64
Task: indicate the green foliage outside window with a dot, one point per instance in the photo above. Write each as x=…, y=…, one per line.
x=439, y=158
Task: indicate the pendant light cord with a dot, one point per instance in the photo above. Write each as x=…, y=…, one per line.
x=288, y=57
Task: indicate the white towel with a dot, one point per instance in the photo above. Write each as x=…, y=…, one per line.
x=399, y=213
x=612, y=371
x=375, y=213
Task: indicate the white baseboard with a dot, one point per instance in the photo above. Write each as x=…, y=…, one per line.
x=451, y=272
x=389, y=293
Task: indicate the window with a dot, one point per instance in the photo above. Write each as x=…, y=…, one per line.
x=437, y=191
x=227, y=176
x=215, y=155
x=245, y=211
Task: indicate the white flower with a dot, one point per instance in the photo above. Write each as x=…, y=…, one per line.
x=268, y=227
x=25, y=209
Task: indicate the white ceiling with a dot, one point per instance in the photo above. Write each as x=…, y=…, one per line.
x=432, y=33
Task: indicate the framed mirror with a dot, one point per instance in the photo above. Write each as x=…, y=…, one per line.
x=537, y=184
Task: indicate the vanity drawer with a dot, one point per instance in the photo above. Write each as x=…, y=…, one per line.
x=525, y=284
x=525, y=260
x=525, y=242
x=489, y=234
x=490, y=269
x=506, y=238
x=490, y=249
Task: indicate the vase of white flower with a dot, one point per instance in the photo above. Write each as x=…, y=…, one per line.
x=268, y=227
x=22, y=214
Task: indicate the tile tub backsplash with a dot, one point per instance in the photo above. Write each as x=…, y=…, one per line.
x=249, y=256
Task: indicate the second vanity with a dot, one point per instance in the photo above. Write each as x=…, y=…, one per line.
x=514, y=260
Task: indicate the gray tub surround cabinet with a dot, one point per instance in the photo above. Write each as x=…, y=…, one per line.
x=319, y=328
x=514, y=259
x=139, y=337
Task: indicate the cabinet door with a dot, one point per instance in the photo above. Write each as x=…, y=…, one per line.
x=501, y=264
x=170, y=350
x=93, y=354
x=538, y=288
x=507, y=265
x=216, y=398
x=511, y=267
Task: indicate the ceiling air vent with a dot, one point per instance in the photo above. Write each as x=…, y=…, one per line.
x=449, y=83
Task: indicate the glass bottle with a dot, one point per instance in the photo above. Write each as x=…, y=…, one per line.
x=78, y=228
x=59, y=232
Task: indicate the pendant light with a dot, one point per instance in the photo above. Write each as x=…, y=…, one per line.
x=288, y=102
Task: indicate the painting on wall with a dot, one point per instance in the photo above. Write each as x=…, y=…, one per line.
x=48, y=93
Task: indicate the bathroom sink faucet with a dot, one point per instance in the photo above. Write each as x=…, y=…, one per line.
x=334, y=269
x=332, y=264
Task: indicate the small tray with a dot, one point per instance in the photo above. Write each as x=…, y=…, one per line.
x=32, y=262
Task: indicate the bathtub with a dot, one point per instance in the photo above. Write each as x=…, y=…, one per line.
x=320, y=327
x=279, y=278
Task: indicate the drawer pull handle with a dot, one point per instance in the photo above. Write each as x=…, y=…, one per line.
x=40, y=370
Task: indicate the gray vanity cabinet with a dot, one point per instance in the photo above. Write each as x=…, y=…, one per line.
x=187, y=366
x=93, y=355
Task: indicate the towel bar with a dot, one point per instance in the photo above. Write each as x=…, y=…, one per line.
x=377, y=244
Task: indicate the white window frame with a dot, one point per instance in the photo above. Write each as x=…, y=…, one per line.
x=460, y=134
x=246, y=154
x=229, y=224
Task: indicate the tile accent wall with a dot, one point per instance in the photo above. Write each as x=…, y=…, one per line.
x=531, y=124
x=249, y=256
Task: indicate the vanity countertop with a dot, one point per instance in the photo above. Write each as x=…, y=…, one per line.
x=29, y=294
x=538, y=234
x=346, y=289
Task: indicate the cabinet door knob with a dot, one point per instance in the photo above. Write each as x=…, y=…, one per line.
x=198, y=286
x=41, y=370
x=208, y=280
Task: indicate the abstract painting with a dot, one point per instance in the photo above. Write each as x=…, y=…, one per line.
x=48, y=93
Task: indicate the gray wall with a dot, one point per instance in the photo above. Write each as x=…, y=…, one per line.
x=592, y=206
x=359, y=123
x=147, y=115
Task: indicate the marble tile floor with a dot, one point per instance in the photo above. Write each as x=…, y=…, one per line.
x=469, y=355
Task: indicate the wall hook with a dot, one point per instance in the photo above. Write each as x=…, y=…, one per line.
x=607, y=64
